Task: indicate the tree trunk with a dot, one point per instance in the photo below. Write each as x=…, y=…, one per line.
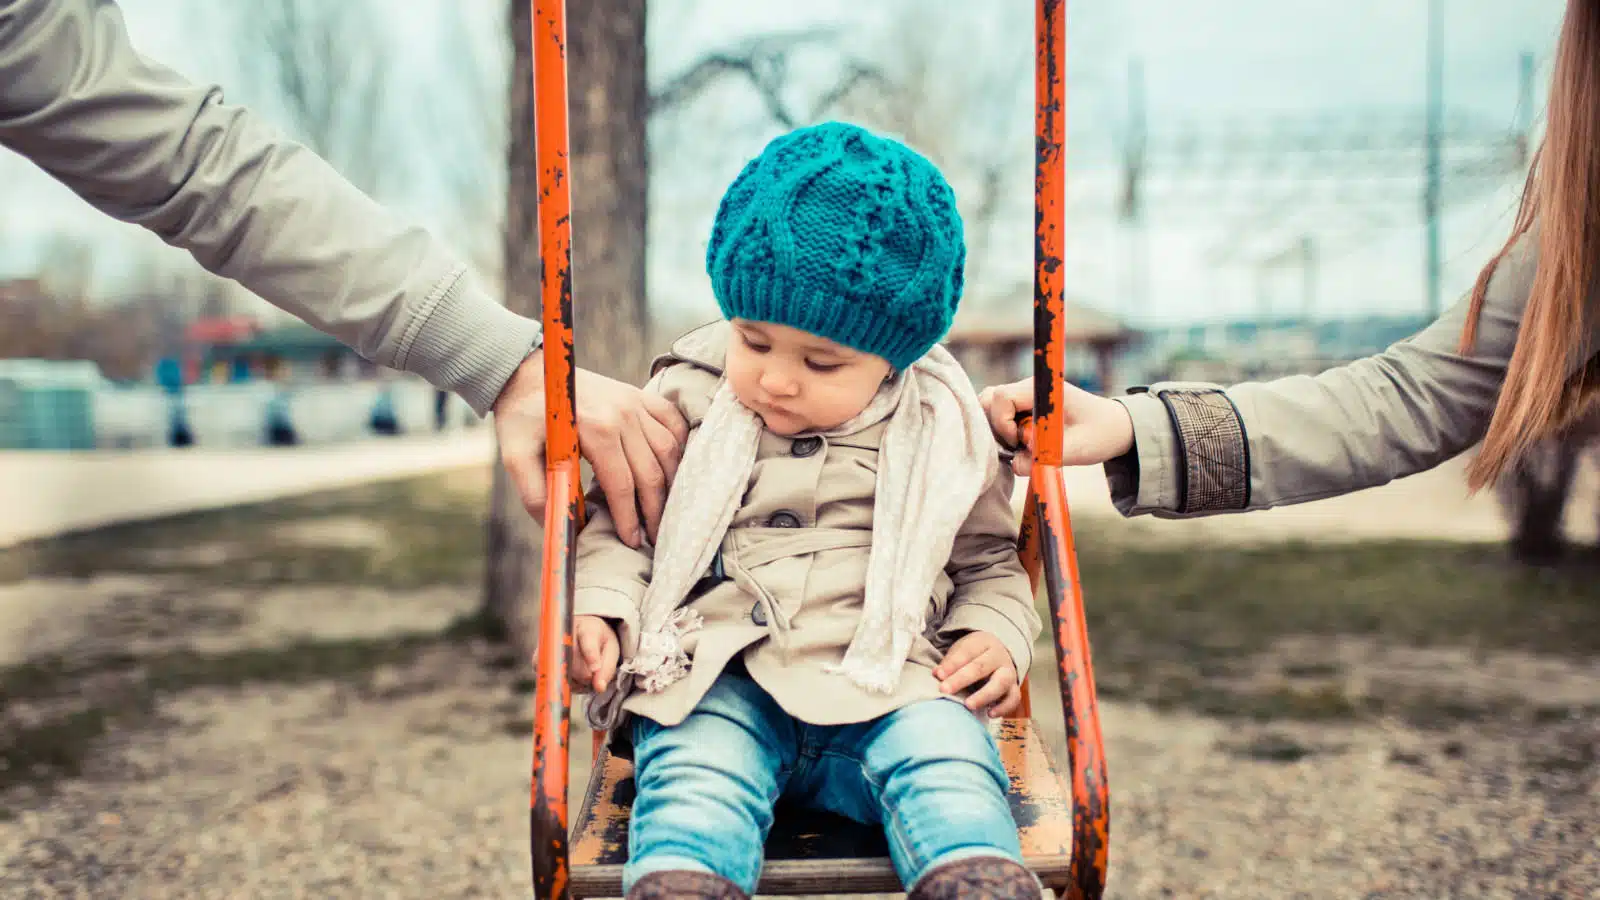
x=608, y=105
x=1534, y=494
x=609, y=98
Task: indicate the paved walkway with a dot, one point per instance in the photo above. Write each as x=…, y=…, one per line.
x=1433, y=504
x=50, y=493
x=1429, y=504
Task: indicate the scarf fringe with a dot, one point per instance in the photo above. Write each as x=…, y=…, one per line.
x=660, y=659
x=876, y=666
x=873, y=676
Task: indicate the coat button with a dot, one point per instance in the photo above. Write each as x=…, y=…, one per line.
x=783, y=519
x=758, y=613
x=806, y=446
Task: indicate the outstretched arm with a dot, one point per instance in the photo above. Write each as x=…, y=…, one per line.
x=144, y=145
x=1190, y=449
x=1202, y=449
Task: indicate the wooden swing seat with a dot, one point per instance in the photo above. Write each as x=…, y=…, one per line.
x=813, y=852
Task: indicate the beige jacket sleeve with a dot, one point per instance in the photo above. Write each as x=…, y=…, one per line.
x=1200, y=449
x=611, y=577
x=992, y=592
x=142, y=144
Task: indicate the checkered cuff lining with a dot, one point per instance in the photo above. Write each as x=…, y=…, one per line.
x=1215, y=470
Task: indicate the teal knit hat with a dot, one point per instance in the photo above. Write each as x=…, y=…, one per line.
x=844, y=234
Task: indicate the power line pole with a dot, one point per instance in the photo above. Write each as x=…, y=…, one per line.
x=1133, y=211
x=1308, y=280
x=1435, y=116
x=1525, y=107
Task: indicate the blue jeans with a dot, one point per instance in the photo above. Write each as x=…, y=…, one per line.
x=930, y=773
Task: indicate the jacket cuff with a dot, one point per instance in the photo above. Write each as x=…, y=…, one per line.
x=1213, y=451
x=609, y=603
x=463, y=341
x=1146, y=479
x=1191, y=453
x=974, y=616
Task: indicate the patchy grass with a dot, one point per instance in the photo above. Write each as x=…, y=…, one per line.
x=76, y=701
x=409, y=534
x=1219, y=601
x=1197, y=627
x=1269, y=746
x=430, y=530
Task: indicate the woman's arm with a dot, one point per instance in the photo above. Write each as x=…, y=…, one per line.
x=1188, y=449
x=144, y=145
x=1201, y=449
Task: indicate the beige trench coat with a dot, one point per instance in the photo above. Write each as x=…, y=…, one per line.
x=794, y=564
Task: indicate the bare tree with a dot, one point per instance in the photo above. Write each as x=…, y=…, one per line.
x=1534, y=491
x=473, y=129
x=332, y=67
x=609, y=102
x=764, y=62
x=964, y=101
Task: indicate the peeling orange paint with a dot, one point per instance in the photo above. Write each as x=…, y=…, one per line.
x=564, y=500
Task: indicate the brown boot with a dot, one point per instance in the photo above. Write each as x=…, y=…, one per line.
x=986, y=877
x=683, y=885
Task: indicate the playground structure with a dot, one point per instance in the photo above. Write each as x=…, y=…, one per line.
x=1063, y=817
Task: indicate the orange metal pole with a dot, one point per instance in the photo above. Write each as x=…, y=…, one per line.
x=564, y=506
x=1050, y=544
x=555, y=226
x=1050, y=194
x=1091, y=795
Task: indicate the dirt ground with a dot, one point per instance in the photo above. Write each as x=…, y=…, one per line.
x=290, y=702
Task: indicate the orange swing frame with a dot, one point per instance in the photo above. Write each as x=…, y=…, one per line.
x=1045, y=541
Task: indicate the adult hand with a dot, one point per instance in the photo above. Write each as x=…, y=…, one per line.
x=632, y=438
x=1097, y=428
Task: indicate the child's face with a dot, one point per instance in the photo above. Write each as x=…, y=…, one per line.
x=797, y=381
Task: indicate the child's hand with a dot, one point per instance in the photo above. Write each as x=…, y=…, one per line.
x=596, y=660
x=976, y=657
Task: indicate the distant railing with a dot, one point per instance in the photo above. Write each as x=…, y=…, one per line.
x=46, y=405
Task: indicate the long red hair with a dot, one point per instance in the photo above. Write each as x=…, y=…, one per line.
x=1562, y=194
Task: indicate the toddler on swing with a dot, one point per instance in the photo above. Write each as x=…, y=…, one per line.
x=834, y=603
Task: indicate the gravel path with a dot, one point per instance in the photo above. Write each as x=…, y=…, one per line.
x=412, y=781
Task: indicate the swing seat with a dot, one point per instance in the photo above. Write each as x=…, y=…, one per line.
x=813, y=852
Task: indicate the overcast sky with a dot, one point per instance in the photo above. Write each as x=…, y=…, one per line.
x=1212, y=61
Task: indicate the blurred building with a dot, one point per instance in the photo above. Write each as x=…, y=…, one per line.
x=232, y=349
x=1262, y=348
x=994, y=343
